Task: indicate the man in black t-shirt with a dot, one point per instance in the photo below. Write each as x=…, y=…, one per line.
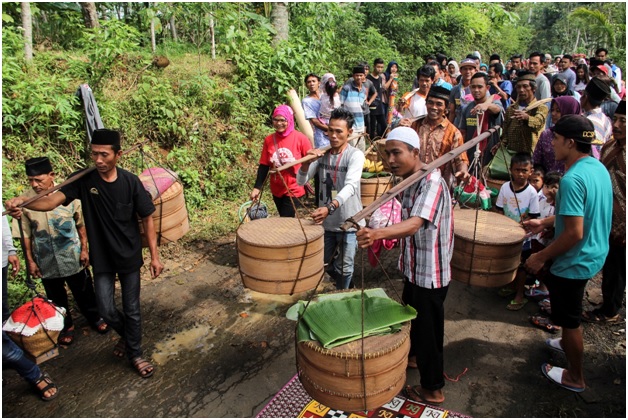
x=112, y=199
x=377, y=123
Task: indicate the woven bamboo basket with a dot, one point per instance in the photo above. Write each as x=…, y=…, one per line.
x=334, y=377
x=273, y=254
x=170, y=217
x=38, y=343
x=372, y=188
x=493, y=258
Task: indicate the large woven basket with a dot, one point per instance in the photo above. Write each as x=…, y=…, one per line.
x=170, y=217
x=335, y=377
x=491, y=258
x=274, y=255
x=373, y=188
x=38, y=343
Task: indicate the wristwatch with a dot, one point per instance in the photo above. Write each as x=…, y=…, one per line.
x=331, y=208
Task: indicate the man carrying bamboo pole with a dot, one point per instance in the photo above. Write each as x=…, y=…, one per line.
x=426, y=231
x=339, y=170
x=112, y=199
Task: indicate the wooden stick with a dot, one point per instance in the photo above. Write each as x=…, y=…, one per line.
x=299, y=115
x=414, y=178
x=70, y=180
x=305, y=158
x=537, y=104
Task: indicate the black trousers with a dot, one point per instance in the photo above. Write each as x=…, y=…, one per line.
x=83, y=290
x=614, y=280
x=427, y=332
x=285, y=207
x=377, y=125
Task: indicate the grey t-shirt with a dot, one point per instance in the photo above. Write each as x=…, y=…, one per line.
x=340, y=179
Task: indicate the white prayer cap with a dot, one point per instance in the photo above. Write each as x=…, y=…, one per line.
x=406, y=135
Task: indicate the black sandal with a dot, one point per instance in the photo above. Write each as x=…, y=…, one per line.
x=142, y=366
x=49, y=385
x=66, y=337
x=101, y=327
x=119, y=350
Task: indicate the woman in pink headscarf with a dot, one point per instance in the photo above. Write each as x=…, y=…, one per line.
x=285, y=145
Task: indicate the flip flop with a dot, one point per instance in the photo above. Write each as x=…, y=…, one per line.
x=535, y=292
x=66, y=337
x=516, y=306
x=544, y=323
x=597, y=317
x=101, y=327
x=546, y=306
x=555, y=374
x=411, y=393
x=554, y=344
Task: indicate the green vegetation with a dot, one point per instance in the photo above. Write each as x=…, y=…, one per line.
x=205, y=117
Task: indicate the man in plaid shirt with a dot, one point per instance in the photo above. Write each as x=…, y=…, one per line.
x=426, y=231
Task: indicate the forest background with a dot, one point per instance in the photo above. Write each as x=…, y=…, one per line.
x=205, y=115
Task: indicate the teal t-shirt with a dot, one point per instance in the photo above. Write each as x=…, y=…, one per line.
x=584, y=191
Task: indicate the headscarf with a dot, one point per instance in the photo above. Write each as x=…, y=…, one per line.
x=568, y=105
x=286, y=112
x=561, y=78
x=456, y=72
x=325, y=78
x=387, y=72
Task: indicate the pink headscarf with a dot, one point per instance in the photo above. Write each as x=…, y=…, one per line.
x=286, y=112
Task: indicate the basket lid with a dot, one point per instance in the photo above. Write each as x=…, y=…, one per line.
x=277, y=232
x=492, y=228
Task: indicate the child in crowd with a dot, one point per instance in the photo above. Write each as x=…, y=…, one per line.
x=547, y=197
x=519, y=201
x=536, y=178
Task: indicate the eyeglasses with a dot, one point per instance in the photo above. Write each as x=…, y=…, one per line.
x=280, y=120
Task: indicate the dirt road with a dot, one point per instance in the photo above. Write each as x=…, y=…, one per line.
x=224, y=351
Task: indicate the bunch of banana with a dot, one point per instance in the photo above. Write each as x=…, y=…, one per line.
x=373, y=166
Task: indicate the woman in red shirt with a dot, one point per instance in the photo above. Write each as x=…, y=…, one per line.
x=285, y=145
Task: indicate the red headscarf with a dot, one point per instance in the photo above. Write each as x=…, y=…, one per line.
x=286, y=112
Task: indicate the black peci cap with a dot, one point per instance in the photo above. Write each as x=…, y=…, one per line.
x=38, y=166
x=106, y=137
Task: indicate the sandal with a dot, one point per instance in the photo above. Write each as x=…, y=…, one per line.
x=515, y=306
x=143, y=367
x=411, y=393
x=536, y=292
x=544, y=323
x=67, y=337
x=597, y=317
x=50, y=385
x=120, y=348
x=101, y=327
x=546, y=306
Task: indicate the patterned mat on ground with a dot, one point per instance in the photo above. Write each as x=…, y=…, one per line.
x=294, y=402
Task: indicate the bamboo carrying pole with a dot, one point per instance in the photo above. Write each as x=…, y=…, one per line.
x=299, y=114
x=70, y=180
x=308, y=158
x=415, y=177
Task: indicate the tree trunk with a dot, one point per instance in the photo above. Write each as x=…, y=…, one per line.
x=153, y=43
x=173, y=29
x=89, y=15
x=212, y=33
x=575, y=48
x=279, y=19
x=27, y=24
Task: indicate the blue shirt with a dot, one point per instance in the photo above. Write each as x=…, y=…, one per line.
x=352, y=99
x=584, y=191
x=310, y=109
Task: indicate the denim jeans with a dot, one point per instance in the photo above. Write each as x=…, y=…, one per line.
x=340, y=249
x=128, y=324
x=15, y=358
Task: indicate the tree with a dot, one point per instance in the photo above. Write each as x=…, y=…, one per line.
x=27, y=24
x=89, y=14
x=279, y=18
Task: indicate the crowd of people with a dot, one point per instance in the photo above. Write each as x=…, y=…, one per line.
x=567, y=188
x=562, y=119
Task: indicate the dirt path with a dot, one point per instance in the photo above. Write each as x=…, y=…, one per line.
x=224, y=351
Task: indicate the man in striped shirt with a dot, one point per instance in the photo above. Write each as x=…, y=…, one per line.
x=426, y=231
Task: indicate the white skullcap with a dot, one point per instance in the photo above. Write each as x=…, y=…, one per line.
x=406, y=135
